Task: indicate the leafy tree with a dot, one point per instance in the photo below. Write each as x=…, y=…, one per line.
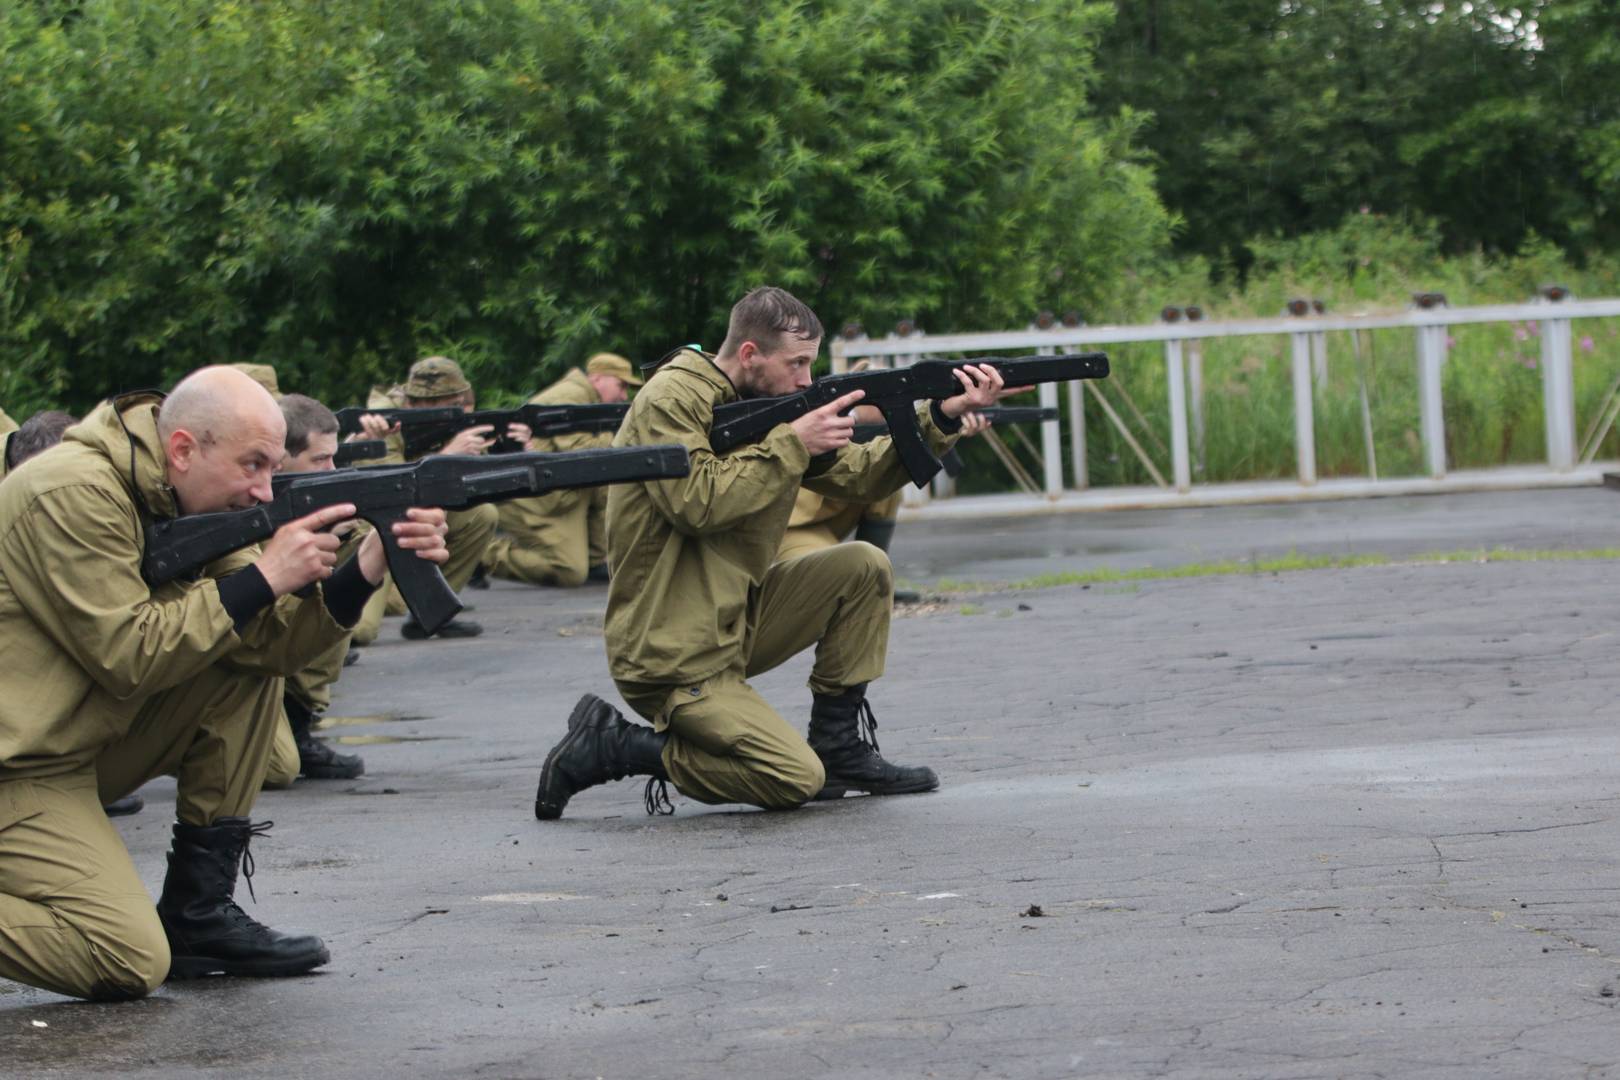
x=338, y=187
x=1284, y=117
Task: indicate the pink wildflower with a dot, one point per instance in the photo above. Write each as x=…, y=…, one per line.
x=1587, y=344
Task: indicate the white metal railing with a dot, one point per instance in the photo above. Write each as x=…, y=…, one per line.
x=1308, y=353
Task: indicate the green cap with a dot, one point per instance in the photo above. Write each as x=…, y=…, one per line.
x=436, y=377
x=606, y=363
x=263, y=374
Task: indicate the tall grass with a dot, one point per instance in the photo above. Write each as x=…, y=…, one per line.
x=1492, y=382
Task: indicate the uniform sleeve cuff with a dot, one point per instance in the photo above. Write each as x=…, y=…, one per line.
x=244, y=594
x=346, y=593
x=943, y=422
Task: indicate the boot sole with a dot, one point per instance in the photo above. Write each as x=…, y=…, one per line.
x=200, y=967
x=576, y=722
x=332, y=774
x=322, y=770
x=841, y=787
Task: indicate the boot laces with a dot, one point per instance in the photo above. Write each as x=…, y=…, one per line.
x=656, y=797
x=867, y=728
x=257, y=828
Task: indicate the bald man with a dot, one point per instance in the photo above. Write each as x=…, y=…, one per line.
x=109, y=682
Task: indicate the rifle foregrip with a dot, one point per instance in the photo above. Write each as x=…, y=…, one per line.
x=431, y=599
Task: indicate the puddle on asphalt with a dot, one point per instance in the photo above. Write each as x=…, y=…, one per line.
x=379, y=740
x=358, y=721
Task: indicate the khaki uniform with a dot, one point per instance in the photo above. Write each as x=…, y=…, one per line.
x=7, y=426
x=312, y=685
x=819, y=522
x=378, y=606
x=108, y=683
x=698, y=603
x=555, y=539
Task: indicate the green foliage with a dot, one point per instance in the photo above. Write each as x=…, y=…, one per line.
x=339, y=187
x=1494, y=120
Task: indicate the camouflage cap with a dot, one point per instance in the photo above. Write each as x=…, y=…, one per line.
x=263, y=374
x=606, y=363
x=435, y=377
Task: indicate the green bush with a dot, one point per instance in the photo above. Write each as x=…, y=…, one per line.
x=339, y=187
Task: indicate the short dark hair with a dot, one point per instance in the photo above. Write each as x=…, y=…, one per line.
x=765, y=316
x=305, y=417
x=38, y=433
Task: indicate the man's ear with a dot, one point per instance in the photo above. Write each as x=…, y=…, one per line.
x=182, y=450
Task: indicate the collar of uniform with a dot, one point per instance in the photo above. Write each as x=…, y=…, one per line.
x=701, y=365
x=125, y=431
x=577, y=375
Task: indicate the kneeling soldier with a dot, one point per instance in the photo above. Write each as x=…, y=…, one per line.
x=559, y=539
x=437, y=382
x=698, y=603
x=109, y=682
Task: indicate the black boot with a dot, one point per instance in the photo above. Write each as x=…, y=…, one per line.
x=878, y=532
x=129, y=804
x=599, y=573
x=455, y=628
x=316, y=758
x=600, y=745
x=208, y=934
x=850, y=754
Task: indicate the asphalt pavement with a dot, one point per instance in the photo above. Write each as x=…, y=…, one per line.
x=1332, y=823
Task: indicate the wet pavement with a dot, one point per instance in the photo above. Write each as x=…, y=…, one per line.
x=1016, y=548
x=1336, y=823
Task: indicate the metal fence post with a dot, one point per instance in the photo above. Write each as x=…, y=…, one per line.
x=1304, y=416
x=1431, y=345
x=1319, y=357
x=1077, y=436
x=1051, y=434
x=1195, y=396
x=1558, y=393
x=1174, y=370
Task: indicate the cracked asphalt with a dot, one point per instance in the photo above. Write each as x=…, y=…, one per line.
x=1336, y=823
